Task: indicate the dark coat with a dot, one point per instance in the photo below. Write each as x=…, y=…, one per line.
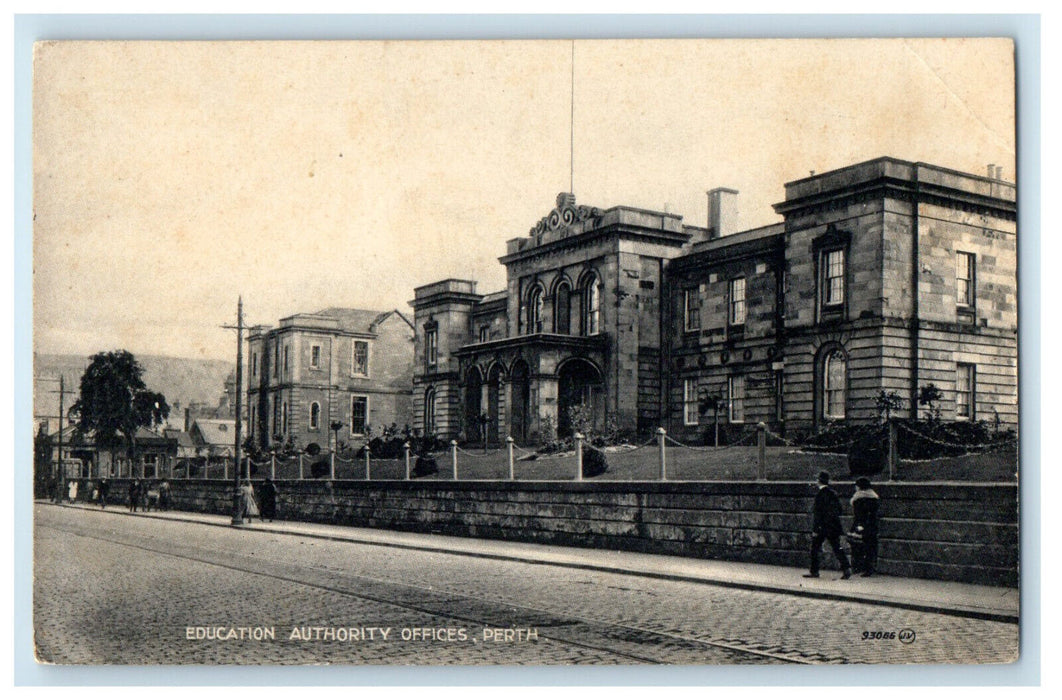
x=267, y=497
x=826, y=515
x=865, y=514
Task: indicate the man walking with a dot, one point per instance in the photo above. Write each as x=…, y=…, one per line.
x=826, y=526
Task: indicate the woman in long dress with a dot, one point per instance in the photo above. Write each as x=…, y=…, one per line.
x=250, y=506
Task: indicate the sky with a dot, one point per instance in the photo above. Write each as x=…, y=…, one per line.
x=172, y=178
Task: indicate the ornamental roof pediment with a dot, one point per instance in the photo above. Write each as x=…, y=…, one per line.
x=566, y=213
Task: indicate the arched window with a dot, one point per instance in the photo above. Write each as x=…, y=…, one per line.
x=315, y=416
x=592, y=305
x=534, y=310
x=562, y=309
x=834, y=384
x=429, y=412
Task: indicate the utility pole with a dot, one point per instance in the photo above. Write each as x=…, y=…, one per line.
x=59, y=480
x=237, y=496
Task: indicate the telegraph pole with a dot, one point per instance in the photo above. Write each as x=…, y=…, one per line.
x=237, y=497
x=59, y=479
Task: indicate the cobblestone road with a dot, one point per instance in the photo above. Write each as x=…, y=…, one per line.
x=110, y=588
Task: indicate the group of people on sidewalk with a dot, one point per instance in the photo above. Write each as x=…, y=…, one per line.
x=263, y=506
x=826, y=527
x=143, y=494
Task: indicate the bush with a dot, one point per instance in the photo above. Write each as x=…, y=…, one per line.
x=425, y=466
x=594, y=462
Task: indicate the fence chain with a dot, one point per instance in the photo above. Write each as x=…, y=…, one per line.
x=713, y=449
x=478, y=454
x=970, y=448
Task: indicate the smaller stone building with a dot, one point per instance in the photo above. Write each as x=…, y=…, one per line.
x=334, y=375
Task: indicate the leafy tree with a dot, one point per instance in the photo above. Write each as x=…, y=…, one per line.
x=929, y=396
x=887, y=404
x=114, y=402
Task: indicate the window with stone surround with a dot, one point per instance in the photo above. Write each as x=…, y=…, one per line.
x=833, y=278
x=691, y=309
x=965, y=278
x=359, y=414
x=284, y=418
x=534, y=309
x=431, y=346
x=736, y=396
x=287, y=365
x=254, y=364
x=834, y=385
x=736, y=295
x=691, y=413
x=315, y=356
x=315, y=416
x=359, y=365
x=429, y=411
x=965, y=391
x=562, y=309
x=592, y=305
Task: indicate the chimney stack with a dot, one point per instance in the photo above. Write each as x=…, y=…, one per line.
x=991, y=169
x=999, y=172
x=722, y=212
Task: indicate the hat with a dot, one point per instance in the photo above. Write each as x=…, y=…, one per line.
x=824, y=478
x=863, y=483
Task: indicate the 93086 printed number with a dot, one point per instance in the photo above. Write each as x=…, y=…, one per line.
x=906, y=636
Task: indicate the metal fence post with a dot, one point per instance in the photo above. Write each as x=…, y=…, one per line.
x=332, y=466
x=225, y=468
x=367, y=453
x=406, y=448
x=512, y=470
x=578, y=456
x=892, y=450
x=661, y=439
x=761, y=451
x=453, y=456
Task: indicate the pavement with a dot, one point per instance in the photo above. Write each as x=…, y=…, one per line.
x=999, y=604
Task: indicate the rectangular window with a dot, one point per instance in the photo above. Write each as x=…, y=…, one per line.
x=359, y=414
x=254, y=364
x=965, y=391
x=737, y=301
x=691, y=305
x=431, y=346
x=276, y=360
x=737, y=398
x=965, y=266
x=276, y=415
x=284, y=418
x=691, y=412
x=833, y=277
x=287, y=364
x=484, y=334
x=360, y=366
x=251, y=424
x=315, y=356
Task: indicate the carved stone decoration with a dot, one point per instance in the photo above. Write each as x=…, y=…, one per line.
x=564, y=215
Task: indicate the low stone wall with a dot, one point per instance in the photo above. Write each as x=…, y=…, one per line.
x=958, y=532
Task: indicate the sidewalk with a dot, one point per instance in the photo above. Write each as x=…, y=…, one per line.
x=947, y=597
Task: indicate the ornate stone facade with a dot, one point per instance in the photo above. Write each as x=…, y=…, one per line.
x=882, y=277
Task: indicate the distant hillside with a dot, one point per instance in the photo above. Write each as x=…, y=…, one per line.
x=180, y=380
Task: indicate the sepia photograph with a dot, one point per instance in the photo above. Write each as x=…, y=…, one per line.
x=610, y=352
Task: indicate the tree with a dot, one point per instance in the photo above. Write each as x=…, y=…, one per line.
x=114, y=402
x=928, y=396
x=888, y=403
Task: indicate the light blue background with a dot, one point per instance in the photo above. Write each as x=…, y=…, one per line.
x=1025, y=29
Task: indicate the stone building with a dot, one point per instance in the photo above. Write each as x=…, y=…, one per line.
x=347, y=366
x=884, y=276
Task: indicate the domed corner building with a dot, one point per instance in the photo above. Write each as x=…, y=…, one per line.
x=885, y=275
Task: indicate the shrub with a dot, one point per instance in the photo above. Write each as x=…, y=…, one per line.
x=594, y=462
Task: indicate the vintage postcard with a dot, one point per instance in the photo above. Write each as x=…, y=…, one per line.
x=693, y=352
